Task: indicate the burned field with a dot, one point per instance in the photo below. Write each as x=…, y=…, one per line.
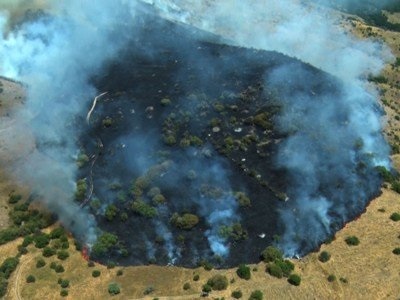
x=180, y=162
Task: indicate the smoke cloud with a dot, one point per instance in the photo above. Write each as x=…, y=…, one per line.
x=333, y=131
x=55, y=55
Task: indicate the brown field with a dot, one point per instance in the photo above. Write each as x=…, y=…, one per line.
x=371, y=269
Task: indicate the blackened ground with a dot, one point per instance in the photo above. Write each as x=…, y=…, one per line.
x=172, y=84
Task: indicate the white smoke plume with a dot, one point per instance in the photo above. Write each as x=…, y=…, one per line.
x=324, y=134
x=55, y=55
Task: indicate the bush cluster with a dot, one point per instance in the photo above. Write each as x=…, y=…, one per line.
x=218, y=282
x=352, y=240
x=243, y=272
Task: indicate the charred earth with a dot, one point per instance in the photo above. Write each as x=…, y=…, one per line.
x=179, y=162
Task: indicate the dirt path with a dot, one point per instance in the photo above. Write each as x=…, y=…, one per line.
x=14, y=291
x=192, y=296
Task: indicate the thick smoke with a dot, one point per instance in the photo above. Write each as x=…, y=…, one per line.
x=55, y=55
x=330, y=138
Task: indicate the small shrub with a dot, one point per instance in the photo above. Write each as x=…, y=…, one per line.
x=165, y=102
x=149, y=290
x=206, y=265
x=120, y=273
x=395, y=217
x=22, y=250
x=113, y=288
x=286, y=266
x=331, y=278
x=40, y=263
x=271, y=253
x=27, y=241
x=274, y=270
x=324, y=256
x=396, y=251
x=14, y=198
x=206, y=288
x=47, y=252
x=242, y=199
x=96, y=273
x=90, y=264
x=59, y=269
x=56, y=233
x=294, y=279
x=30, y=279
x=64, y=283
x=53, y=265
x=186, y=286
x=343, y=279
x=243, y=272
x=196, y=277
x=64, y=293
x=186, y=221
x=352, y=240
x=62, y=254
x=8, y=266
x=218, y=282
x=237, y=294
x=41, y=241
x=111, y=212
x=396, y=186
x=107, y=122
x=256, y=295
x=144, y=209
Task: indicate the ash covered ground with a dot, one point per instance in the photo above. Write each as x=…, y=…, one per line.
x=188, y=127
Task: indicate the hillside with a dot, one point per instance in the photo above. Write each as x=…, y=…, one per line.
x=369, y=270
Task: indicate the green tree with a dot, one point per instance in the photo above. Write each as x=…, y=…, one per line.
x=40, y=263
x=186, y=221
x=256, y=295
x=3, y=285
x=271, y=253
x=62, y=254
x=352, y=240
x=41, y=240
x=96, y=273
x=56, y=233
x=104, y=244
x=243, y=272
x=294, y=279
x=59, y=269
x=30, y=279
x=113, y=288
x=274, y=270
x=111, y=212
x=286, y=266
x=47, y=252
x=324, y=256
x=206, y=288
x=8, y=266
x=64, y=283
x=395, y=217
x=218, y=282
x=237, y=294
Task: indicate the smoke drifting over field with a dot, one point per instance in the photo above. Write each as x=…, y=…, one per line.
x=332, y=144
x=55, y=55
x=329, y=139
